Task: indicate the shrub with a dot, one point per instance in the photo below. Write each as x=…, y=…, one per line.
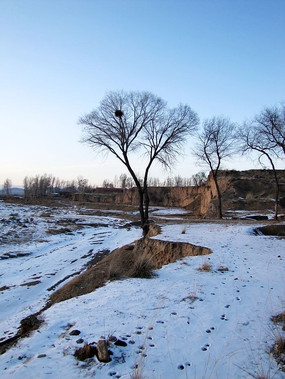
x=205, y=267
x=142, y=268
x=133, y=263
x=278, y=352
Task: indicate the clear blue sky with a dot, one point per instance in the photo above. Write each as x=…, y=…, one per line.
x=60, y=57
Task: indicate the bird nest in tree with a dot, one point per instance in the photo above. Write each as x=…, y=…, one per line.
x=118, y=113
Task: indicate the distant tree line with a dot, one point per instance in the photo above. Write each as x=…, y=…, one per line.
x=125, y=181
x=40, y=186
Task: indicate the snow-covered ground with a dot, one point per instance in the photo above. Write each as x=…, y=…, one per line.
x=183, y=323
x=40, y=261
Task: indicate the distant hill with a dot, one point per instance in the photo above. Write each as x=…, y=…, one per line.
x=14, y=191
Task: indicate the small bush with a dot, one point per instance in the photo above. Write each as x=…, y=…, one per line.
x=142, y=268
x=278, y=352
x=137, y=373
x=279, y=319
x=132, y=264
x=205, y=267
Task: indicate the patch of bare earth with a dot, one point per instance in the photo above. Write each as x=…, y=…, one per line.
x=27, y=325
x=273, y=230
x=126, y=262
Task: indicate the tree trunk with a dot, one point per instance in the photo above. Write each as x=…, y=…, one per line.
x=220, y=212
x=143, y=209
x=276, y=194
x=276, y=186
x=146, y=218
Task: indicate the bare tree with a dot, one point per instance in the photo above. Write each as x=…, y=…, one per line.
x=178, y=180
x=215, y=143
x=123, y=181
x=198, y=179
x=254, y=137
x=7, y=187
x=82, y=184
x=154, y=182
x=107, y=184
x=125, y=122
x=270, y=124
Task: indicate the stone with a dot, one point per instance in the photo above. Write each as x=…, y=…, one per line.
x=102, y=351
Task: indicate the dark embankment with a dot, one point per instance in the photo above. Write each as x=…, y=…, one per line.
x=272, y=230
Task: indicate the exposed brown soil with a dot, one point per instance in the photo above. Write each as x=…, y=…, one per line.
x=121, y=262
x=273, y=230
x=85, y=352
x=32, y=283
x=27, y=325
x=247, y=190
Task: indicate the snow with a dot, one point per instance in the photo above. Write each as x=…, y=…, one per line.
x=168, y=211
x=182, y=323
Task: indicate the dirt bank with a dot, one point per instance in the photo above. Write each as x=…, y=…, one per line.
x=127, y=261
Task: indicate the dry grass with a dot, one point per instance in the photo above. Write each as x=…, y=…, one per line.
x=120, y=263
x=142, y=268
x=137, y=373
x=278, y=352
x=134, y=265
x=278, y=349
x=205, y=267
x=279, y=319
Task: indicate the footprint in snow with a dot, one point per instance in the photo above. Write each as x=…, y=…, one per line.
x=139, y=330
x=182, y=367
x=205, y=347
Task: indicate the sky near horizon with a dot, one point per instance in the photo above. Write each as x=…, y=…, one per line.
x=60, y=57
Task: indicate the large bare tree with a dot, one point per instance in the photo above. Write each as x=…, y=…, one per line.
x=125, y=122
x=215, y=143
